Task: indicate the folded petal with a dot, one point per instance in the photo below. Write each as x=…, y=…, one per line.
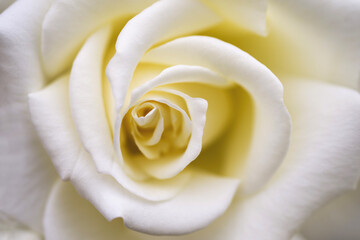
x=68, y=23
x=26, y=173
x=191, y=209
x=272, y=122
x=86, y=99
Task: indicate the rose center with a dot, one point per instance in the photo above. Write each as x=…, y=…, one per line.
x=157, y=129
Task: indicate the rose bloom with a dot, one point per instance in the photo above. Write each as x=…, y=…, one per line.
x=124, y=119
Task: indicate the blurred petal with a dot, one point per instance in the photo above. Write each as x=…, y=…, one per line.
x=68, y=23
x=272, y=122
x=298, y=237
x=5, y=4
x=337, y=220
x=12, y=230
x=323, y=35
x=26, y=173
x=246, y=14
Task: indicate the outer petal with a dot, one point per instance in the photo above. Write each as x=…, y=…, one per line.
x=323, y=35
x=68, y=23
x=26, y=174
x=272, y=122
x=337, y=220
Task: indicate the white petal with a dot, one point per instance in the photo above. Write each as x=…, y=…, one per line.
x=69, y=216
x=163, y=20
x=323, y=35
x=272, y=122
x=68, y=23
x=51, y=115
x=244, y=13
x=337, y=220
x=193, y=208
x=26, y=173
x=179, y=74
x=86, y=99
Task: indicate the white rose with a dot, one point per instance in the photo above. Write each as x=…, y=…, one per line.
x=156, y=115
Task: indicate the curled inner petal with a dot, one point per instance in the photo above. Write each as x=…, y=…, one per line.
x=162, y=133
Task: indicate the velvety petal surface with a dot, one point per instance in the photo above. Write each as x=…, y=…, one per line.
x=26, y=173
